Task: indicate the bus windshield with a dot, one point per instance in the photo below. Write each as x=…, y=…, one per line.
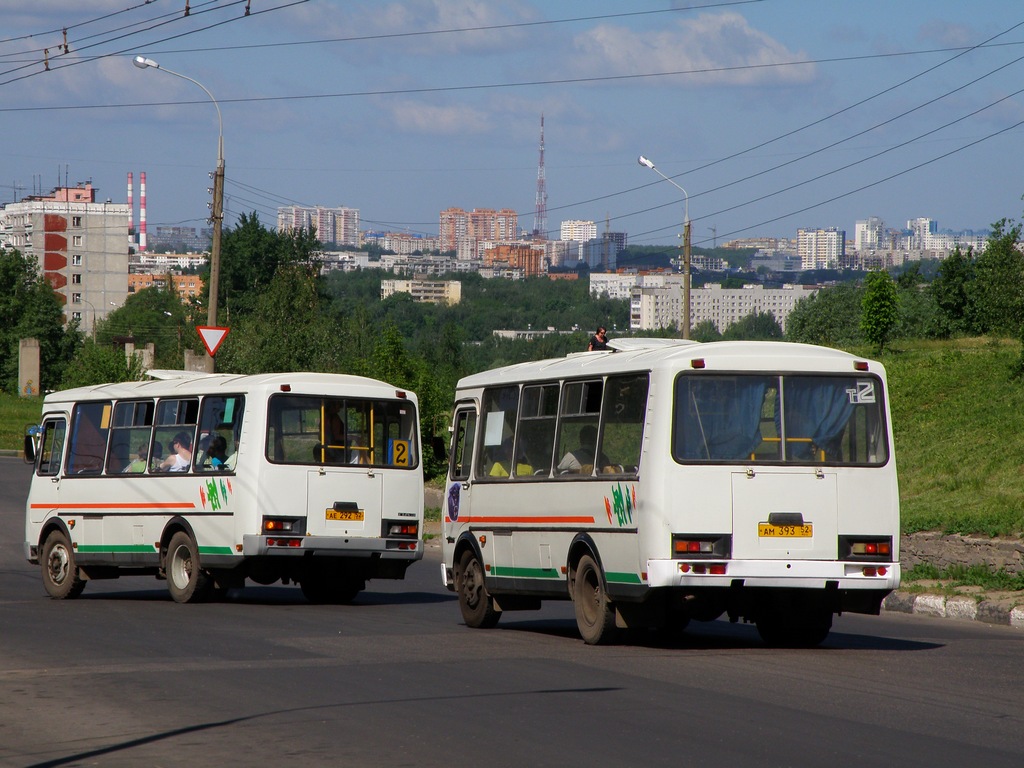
x=791, y=419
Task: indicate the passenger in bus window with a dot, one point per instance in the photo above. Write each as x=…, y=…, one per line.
x=216, y=453
x=181, y=454
x=141, y=461
x=500, y=467
x=581, y=458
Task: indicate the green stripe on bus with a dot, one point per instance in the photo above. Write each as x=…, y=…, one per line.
x=529, y=573
x=145, y=549
x=623, y=578
x=216, y=551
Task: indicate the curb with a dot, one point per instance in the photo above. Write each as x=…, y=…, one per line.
x=1001, y=612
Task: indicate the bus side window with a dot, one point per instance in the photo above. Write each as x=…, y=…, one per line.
x=220, y=421
x=130, y=436
x=625, y=406
x=175, y=422
x=463, y=440
x=500, y=407
x=90, y=423
x=51, y=447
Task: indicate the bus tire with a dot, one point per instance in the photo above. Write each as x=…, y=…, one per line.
x=186, y=580
x=475, y=601
x=595, y=614
x=60, y=574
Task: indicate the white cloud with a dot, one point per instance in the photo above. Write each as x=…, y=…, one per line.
x=722, y=49
x=421, y=118
x=418, y=16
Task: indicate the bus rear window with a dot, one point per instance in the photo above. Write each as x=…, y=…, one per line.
x=337, y=430
x=792, y=419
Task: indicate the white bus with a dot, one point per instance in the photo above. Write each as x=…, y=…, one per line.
x=209, y=480
x=664, y=481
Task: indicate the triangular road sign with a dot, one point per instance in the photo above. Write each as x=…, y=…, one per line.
x=212, y=337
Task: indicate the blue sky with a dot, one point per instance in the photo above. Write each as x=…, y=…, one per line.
x=773, y=114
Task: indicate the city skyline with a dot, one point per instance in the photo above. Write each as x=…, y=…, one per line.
x=404, y=109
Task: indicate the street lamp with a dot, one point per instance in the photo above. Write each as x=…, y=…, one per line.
x=93, y=306
x=686, y=244
x=218, y=195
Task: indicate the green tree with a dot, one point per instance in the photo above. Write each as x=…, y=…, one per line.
x=757, y=326
x=880, y=309
x=831, y=317
x=99, y=364
x=153, y=316
x=250, y=257
x=705, y=331
x=951, y=289
x=29, y=308
x=997, y=291
x=285, y=331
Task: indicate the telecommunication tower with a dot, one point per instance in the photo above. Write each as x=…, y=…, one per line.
x=540, y=214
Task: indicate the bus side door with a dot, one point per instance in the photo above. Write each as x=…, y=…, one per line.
x=457, y=503
x=44, y=497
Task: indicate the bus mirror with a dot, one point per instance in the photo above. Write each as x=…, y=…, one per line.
x=30, y=449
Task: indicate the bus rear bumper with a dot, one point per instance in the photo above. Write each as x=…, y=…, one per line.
x=794, y=574
x=331, y=546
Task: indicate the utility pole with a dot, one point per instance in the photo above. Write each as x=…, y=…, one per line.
x=686, y=279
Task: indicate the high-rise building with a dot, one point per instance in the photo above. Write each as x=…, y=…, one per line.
x=820, y=248
x=578, y=230
x=463, y=231
x=81, y=246
x=869, y=235
x=333, y=225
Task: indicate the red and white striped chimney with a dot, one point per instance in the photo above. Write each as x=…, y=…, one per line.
x=131, y=210
x=142, y=211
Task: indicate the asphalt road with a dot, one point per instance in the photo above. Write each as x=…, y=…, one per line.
x=125, y=677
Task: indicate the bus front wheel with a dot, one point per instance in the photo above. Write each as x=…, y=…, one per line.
x=475, y=601
x=595, y=614
x=60, y=574
x=186, y=580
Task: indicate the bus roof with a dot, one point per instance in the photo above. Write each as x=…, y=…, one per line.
x=197, y=384
x=637, y=354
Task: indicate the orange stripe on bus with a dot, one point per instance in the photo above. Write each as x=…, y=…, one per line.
x=525, y=519
x=121, y=505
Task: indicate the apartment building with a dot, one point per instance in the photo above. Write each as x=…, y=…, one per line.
x=462, y=231
x=81, y=246
x=426, y=291
x=333, y=225
x=657, y=302
x=820, y=248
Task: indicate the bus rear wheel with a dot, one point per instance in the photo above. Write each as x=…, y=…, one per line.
x=186, y=580
x=60, y=574
x=595, y=614
x=475, y=601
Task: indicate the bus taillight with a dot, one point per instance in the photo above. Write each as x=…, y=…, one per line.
x=689, y=545
x=283, y=525
x=402, y=530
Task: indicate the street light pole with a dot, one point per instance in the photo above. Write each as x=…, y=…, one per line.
x=218, y=196
x=86, y=301
x=646, y=163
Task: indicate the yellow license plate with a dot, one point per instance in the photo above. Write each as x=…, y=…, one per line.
x=784, y=531
x=348, y=515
